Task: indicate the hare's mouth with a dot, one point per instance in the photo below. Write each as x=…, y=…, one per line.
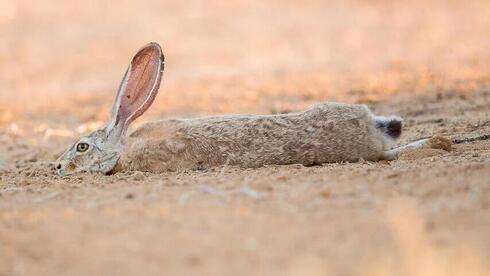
x=65, y=169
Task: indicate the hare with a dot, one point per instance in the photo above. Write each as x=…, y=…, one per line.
x=328, y=132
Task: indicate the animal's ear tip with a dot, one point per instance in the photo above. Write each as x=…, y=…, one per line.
x=154, y=45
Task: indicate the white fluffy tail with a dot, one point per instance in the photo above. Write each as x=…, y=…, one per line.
x=390, y=126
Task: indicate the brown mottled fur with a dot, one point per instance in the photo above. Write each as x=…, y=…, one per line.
x=329, y=132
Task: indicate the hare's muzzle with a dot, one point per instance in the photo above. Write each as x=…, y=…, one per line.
x=64, y=168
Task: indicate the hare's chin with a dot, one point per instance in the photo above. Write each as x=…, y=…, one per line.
x=63, y=172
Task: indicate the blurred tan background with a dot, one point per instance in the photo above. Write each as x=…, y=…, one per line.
x=225, y=56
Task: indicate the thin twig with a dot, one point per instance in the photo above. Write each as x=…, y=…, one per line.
x=471, y=139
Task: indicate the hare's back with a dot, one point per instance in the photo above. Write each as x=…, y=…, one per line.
x=325, y=133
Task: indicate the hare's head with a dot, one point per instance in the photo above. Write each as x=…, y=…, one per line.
x=100, y=150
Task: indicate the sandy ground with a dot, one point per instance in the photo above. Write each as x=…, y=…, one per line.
x=425, y=214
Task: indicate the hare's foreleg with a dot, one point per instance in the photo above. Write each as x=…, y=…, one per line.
x=436, y=142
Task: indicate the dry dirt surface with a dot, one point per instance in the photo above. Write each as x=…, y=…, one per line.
x=427, y=213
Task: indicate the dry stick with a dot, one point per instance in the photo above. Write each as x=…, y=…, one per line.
x=471, y=139
x=462, y=140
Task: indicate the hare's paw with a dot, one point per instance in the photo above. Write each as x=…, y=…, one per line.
x=439, y=142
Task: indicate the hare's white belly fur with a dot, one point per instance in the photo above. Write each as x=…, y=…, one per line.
x=329, y=132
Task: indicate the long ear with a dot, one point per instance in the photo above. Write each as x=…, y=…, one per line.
x=138, y=89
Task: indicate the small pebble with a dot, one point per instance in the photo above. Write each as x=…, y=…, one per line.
x=384, y=162
x=139, y=176
x=326, y=193
x=393, y=175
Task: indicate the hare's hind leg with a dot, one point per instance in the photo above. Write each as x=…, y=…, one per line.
x=436, y=142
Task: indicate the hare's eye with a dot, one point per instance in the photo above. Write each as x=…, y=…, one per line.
x=82, y=147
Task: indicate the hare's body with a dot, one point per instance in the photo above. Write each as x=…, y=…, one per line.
x=329, y=132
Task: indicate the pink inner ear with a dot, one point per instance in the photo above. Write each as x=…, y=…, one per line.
x=142, y=84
